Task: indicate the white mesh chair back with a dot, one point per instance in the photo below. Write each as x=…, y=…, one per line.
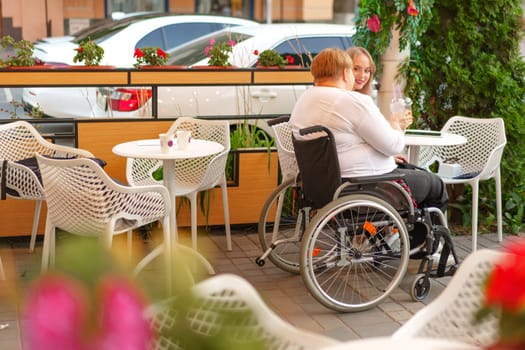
x=284, y=145
x=233, y=296
x=195, y=174
x=451, y=315
x=19, y=141
x=205, y=172
x=479, y=158
x=83, y=200
x=482, y=152
x=140, y=171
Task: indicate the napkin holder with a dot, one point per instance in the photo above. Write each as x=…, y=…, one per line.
x=449, y=170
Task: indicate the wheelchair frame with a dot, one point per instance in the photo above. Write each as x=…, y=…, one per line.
x=352, y=251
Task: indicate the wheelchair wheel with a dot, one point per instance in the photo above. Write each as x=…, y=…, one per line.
x=354, y=253
x=281, y=226
x=420, y=287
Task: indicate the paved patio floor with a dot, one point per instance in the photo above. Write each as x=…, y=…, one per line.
x=285, y=293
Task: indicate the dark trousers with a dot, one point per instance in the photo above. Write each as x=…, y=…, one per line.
x=427, y=188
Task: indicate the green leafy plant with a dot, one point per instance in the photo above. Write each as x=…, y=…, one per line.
x=219, y=53
x=377, y=18
x=246, y=135
x=466, y=63
x=23, y=52
x=153, y=56
x=89, y=52
x=272, y=58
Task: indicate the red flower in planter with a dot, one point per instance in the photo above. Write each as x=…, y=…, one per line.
x=290, y=59
x=412, y=9
x=506, y=283
x=153, y=56
x=161, y=53
x=374, y=24
x=505, y=293
x=138, y=53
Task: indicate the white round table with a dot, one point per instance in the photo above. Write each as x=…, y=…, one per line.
x=429, y=138
x=150, y=149
x=388, y=343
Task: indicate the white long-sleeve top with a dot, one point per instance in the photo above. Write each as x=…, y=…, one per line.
x=365, y=141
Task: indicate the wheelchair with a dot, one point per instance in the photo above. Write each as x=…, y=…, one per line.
x=350, y=240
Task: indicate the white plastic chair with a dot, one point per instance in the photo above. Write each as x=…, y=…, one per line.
x=480, y=156
x=285, y=151
x=196, y=174
x=451, y=315
x=18, y=141
x=83, y=200
x=234, y=296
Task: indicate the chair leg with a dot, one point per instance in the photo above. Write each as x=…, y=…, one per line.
x=130, y=243
x=2, y=272
x=193, y=209
x=498, y=206
x=36, y=218
x=475, y=198
x=224, y=190
x=52, y=248
x=168, y=253
x=46, y=249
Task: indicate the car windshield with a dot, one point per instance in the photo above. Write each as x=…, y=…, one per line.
x=105, y=30
x=192, y=53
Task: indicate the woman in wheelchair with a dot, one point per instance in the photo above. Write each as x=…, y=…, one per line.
x=360, y=217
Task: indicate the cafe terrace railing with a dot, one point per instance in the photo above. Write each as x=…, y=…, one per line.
x=99, y=135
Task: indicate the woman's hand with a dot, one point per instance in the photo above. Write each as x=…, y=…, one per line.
x=400, y=158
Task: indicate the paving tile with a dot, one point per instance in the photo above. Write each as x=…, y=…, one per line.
x=283, y=292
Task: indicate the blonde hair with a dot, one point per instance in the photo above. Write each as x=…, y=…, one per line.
x=329, y=64
x=358, y=50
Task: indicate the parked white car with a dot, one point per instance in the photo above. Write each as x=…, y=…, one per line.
x=122, y=37
x=301, y=41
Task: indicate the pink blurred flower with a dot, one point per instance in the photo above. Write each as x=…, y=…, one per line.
x=55, y=313
x=374, y=24
x=121, y=323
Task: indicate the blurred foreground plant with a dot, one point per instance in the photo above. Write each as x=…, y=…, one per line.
x=91, y=301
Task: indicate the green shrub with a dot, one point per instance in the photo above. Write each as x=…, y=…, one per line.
x=467, y=62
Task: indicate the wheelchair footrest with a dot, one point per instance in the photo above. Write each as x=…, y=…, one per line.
x=449, y=271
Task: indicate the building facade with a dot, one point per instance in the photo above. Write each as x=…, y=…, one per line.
x=34, y=19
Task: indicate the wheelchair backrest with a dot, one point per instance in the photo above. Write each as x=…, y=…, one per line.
x=319, y=169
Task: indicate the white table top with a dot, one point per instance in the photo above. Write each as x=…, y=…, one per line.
x=443, y=139
x=388, y=343
x=150, y=149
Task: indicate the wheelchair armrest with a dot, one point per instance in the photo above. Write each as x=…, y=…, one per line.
x=314, y=129
x=374, y=178
x=278, y=120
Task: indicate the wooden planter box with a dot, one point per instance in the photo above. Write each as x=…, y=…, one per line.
x=255, y=181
